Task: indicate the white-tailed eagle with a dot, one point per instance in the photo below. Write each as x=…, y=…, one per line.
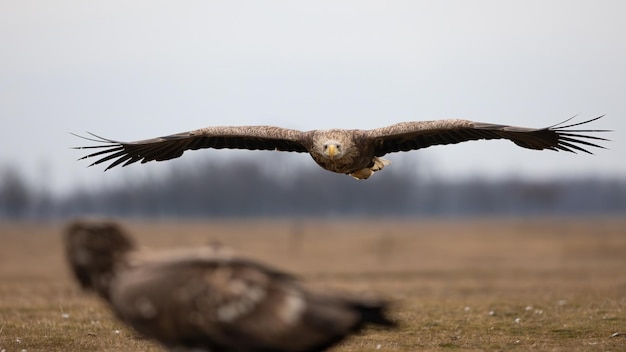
x=354, y=152
x=203, y=300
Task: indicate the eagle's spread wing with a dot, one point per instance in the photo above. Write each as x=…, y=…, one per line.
x=422, y=134
x=173, y=146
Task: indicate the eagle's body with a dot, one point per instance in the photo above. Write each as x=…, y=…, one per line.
x=354, y=152
x=205, y=300
x=348, y=153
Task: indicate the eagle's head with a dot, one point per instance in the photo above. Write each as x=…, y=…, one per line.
x=333, y=145
x=94, y=248
x=332, y=149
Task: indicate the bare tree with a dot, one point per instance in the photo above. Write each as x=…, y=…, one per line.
x=15, y=196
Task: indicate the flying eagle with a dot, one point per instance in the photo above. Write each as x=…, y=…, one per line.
x=204, y=300
x=354, y=152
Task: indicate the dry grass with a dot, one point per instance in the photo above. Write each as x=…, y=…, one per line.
x=543, y=285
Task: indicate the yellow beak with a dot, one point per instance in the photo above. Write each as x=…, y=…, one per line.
x=332, y=151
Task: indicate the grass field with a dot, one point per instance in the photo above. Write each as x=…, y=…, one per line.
x=463, y=285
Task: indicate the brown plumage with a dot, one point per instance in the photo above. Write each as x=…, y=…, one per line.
x=354, y=152
x=94, y=249
x=206, y=300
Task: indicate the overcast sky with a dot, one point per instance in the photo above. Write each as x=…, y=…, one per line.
x=132, y=70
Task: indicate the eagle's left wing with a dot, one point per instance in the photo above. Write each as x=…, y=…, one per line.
x=407, y=136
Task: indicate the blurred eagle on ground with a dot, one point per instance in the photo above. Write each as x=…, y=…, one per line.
x=204, y=299
x=349, y=151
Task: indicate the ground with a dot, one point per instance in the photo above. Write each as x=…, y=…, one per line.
x=465, y=285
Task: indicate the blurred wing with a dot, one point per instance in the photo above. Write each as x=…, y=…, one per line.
x=422, y=134
x=220, y=302
x=173, y=146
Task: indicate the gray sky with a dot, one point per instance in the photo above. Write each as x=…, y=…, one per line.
x=135, y=70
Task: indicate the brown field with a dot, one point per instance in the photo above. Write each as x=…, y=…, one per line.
x=467, y=285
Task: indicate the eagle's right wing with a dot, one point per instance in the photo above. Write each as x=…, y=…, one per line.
x=173, y=146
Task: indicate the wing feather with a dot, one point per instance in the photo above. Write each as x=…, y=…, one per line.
x=173, y=146
x=422, y=134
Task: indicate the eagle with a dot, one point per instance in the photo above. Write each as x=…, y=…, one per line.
x=203, y=299
x=348, y=151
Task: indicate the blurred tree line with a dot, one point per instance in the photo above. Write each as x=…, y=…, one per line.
x=246, y=189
